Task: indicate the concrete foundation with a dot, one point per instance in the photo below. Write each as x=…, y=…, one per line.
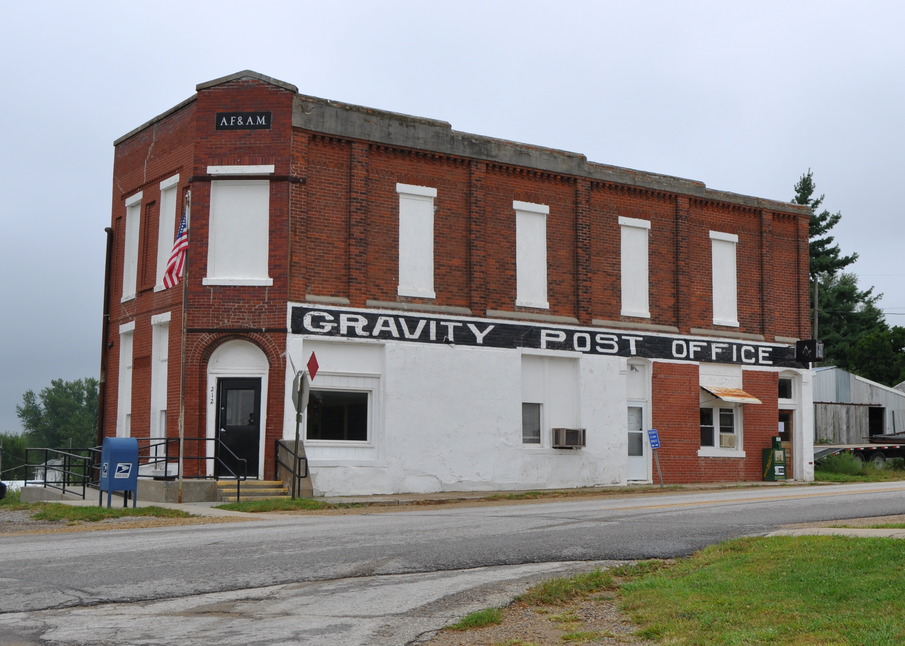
x=148, y=491
x=168, y=491
x=44, y=494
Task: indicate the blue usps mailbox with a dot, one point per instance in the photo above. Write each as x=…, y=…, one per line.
x=119, y=467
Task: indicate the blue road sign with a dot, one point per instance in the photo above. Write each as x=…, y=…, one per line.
x=654, y=438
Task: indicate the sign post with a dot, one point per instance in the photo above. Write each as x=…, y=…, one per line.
x=654, y=438
x=301, y=390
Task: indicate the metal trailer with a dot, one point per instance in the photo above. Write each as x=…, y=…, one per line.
x=879, y=449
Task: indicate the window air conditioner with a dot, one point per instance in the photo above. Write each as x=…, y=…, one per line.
x=568, y=438
x=727, y=441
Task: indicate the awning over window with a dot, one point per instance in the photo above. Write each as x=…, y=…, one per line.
x=733, y=395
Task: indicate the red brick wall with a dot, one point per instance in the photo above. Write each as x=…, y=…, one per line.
x=140, y=163
x=675, y=415
x=345, y=240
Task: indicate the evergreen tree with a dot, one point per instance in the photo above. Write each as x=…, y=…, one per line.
x=845, y=313
x=826, y=257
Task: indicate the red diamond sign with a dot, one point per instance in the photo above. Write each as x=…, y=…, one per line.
x=312, y=366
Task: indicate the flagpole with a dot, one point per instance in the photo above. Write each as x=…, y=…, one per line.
x=185, y=282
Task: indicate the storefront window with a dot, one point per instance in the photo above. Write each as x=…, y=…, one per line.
x=338, y=415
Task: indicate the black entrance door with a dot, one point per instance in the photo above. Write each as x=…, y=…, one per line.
x=238, y=427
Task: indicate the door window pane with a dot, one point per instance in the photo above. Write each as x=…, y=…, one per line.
x=530, y=423
x=635, y=431
x=240, y=407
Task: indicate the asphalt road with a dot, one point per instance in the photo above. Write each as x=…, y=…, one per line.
x=365, y=579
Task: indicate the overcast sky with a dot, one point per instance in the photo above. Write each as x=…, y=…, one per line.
x=745, y=97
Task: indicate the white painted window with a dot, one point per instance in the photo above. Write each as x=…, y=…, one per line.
x=720, y=427
x=416, y=240
x=531, y=254
x=549, y=397
x=239, y=238
x=124, y=389
x=722, y=405
x=725, y=278
x=341, y=410
x=160, y=348
x=166, y=226
x=130, y=246
x=635, y=267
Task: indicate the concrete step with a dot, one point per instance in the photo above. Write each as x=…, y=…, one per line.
x=251, y=490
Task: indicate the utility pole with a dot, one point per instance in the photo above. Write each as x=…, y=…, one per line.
x=814, y=332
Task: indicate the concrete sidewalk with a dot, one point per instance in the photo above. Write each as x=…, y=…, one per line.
x=841, y=531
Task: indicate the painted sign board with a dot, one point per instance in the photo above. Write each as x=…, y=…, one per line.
x=244, y=120
x=494, y=333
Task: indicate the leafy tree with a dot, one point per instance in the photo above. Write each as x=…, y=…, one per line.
x=880, y=356
x=63, y=414
x=12, y=456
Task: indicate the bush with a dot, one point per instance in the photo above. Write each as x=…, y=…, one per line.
x=844, y=463
x=12, y=497
x=895, y=463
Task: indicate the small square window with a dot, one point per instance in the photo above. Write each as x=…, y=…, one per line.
x=718, y=428
x=785, y=389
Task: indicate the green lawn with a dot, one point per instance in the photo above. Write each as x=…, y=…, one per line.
x=784, y=591
x=825, y=590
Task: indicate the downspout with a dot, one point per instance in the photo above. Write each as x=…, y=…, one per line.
x=105, y=340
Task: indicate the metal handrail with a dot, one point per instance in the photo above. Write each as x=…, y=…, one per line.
x=301, y=464
x=81, y=467
x=72, y=469
x=171, y=456
x=238, y=460
x=18, y=470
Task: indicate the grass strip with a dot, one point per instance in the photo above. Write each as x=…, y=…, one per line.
x=809, y=590
x=54, y=511
x=285, y=504
x=478, y=619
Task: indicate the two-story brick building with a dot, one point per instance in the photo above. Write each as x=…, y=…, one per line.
x=473, y=304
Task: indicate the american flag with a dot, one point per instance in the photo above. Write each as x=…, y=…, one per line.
x=173, y=273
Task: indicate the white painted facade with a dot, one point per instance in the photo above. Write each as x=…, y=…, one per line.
x=470, y=439
x=449, y=417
